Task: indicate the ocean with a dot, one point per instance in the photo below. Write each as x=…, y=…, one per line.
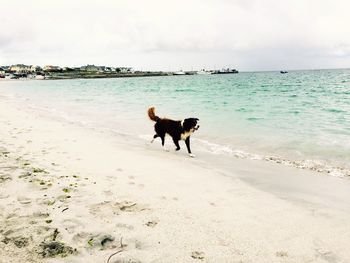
x=299, y=119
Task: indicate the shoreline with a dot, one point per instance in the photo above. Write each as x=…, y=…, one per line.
x=167, y=208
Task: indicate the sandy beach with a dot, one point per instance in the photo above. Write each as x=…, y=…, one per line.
x=71, y=194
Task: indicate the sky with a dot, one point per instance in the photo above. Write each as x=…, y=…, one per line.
x=249, y=35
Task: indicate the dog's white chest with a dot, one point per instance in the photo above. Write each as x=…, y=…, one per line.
x=185, y=135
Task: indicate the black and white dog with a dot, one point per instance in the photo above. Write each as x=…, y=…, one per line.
x=178, y=130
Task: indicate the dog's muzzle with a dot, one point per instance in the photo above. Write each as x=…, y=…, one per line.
x=196, y=128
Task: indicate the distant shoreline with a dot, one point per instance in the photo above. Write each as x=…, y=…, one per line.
x=57, y=76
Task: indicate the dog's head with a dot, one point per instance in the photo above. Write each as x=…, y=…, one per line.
x=190, y=124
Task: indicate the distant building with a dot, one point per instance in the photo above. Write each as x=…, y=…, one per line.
x=69, y=69
x=51, y=68
x=124, y=70
x=35, y=68
x=20, y=68
x=90, y=68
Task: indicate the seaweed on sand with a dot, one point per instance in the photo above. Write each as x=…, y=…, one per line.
x=55, y=248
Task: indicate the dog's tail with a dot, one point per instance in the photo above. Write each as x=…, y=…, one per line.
x=152, y=115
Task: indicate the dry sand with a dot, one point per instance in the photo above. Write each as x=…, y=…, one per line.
x=69, y=194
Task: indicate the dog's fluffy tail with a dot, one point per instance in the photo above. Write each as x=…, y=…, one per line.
x=152, y=115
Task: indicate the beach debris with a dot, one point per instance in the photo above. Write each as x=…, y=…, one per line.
x=5, y=177
x=66, y=190
x=101, y=241
x=281, y=254
x=25, y=175
x=198, y=255
x=126, y=206
x=17, y=241
x=39, y=170
x=91, y=242
x=63, y=198
x=21, y=242
x=55, y=248
x=151, y=223
x=50, y=202
x=41, y=215
x=118, y=251
x=4, y=152
x=55, y=234
x=106, y=239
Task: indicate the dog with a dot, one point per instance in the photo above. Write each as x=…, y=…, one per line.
x=178, y=130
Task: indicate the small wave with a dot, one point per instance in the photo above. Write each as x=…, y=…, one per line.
x=185, y=90
x=295, y=112
x=334, y=110
x=313, y=165
x=243, y=110
x=254, y=119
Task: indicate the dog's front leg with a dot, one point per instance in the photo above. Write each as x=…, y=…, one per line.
x=187, y=141
x=176, y=142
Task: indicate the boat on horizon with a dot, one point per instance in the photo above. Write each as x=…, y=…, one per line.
x=203, y=72
x=179, y=73
x=283, y=71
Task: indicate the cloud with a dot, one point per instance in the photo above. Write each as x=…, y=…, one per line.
x=152, y=33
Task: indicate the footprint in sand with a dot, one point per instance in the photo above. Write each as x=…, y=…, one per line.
x=4, y=196
x=116, y=208
x=24, y=200
x=198, y=255
x=326, y=255
x=72, y=224
x=108, y=193
x=152, y=223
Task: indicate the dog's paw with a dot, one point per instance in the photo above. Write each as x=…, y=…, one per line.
x=192, y=155
x=165, y=149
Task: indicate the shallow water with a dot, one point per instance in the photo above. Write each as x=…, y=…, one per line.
x=301, y=118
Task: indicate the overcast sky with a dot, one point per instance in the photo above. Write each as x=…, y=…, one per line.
x=183, y=34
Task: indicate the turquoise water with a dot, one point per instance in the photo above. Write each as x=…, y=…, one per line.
x=301, y=118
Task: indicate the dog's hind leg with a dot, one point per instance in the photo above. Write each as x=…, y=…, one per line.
x=154, y=137
x=163, y=142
